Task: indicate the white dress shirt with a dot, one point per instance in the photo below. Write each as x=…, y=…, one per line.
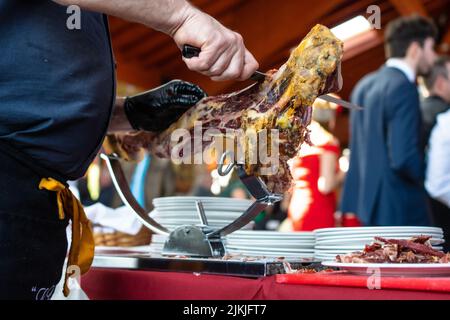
x=438, y=172
x=401, y=65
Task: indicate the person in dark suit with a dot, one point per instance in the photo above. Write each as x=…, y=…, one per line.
x=385, y=182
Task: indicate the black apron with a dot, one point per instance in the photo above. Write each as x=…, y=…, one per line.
x=57, y=90
x=33, y=242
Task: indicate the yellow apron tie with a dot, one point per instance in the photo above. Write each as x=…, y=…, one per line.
x=82, y=247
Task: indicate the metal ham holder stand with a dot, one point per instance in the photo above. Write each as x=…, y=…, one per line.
x=201, y=241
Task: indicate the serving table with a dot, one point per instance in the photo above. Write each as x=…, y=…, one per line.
x=126, y=278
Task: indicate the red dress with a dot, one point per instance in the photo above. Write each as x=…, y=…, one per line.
x=309, y=208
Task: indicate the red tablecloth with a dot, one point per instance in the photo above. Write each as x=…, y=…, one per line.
x=145, y=285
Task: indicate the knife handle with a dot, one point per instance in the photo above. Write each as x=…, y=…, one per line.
x=190, y=51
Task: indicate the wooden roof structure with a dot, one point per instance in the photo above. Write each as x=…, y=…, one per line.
x=147, y=58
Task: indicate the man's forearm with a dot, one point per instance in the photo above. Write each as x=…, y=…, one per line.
x=119, y=120
x=163, y=15
x=223, y=53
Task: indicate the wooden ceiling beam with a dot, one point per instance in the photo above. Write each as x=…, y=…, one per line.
x=445, y=46
x=262, y=22
x=144, y=47
x=165, y=56
x=359, y=61
x=348, y=11
x=146, y=43
x=218, y=8
x=134, y=74
x=266, y=25
x=116, y=24
x=135, y=33
x=150, y=55
x=409, y=7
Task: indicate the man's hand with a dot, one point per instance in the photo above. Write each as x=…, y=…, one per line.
x=157, y=109
x=223, y=53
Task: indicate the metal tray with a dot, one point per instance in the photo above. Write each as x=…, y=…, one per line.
x=235, y=267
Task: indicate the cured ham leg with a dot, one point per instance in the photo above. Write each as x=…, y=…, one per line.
x=281, y=104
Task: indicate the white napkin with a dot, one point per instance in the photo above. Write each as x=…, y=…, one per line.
x=121, y=219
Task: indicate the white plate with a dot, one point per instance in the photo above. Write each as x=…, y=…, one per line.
x=325, y=257
x=344, y=250
x=182, y=210
x=188, y=198
x=263, y=241
x=387, y=228
x=194, y=222
x=233, y=203
x=172, y=227
x=273, y=233
x=157, y=213
x=270, y=235
x=205, y=203
x=355, y=247
x=371, y=238
x=278, y=244
x=212, y=224
x=308, y=246
x=333, y=253
x=333, y=241
x=378, y=229
x=391, y=269
x=256, y=249
x=194, y=217
x=190, y=221
x=330, y=257
x=269, y=239
x=364, y=241
x=159, y=247
x=250, y=236
x=343, y=246
x=270, y=254
x=381, y=234
x=220, y=206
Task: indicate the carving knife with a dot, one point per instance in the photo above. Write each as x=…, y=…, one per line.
x=190, y=52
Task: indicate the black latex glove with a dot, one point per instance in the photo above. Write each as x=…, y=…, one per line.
x=157, y=109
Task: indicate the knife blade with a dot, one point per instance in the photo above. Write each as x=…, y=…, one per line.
x=189, y=52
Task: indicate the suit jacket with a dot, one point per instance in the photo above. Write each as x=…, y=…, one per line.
x=385, y=182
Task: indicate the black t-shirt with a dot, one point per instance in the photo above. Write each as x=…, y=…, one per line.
x=57, y=86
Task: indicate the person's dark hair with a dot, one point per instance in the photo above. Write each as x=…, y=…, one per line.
x=439, y=69
x=404, y=31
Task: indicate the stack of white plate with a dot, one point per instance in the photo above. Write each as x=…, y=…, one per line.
x=331, y=242
x=298, y=245
x=271, y=244
x=173, y=212
x=157, y=244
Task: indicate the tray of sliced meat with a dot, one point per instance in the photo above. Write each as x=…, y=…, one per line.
x=394, y=257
